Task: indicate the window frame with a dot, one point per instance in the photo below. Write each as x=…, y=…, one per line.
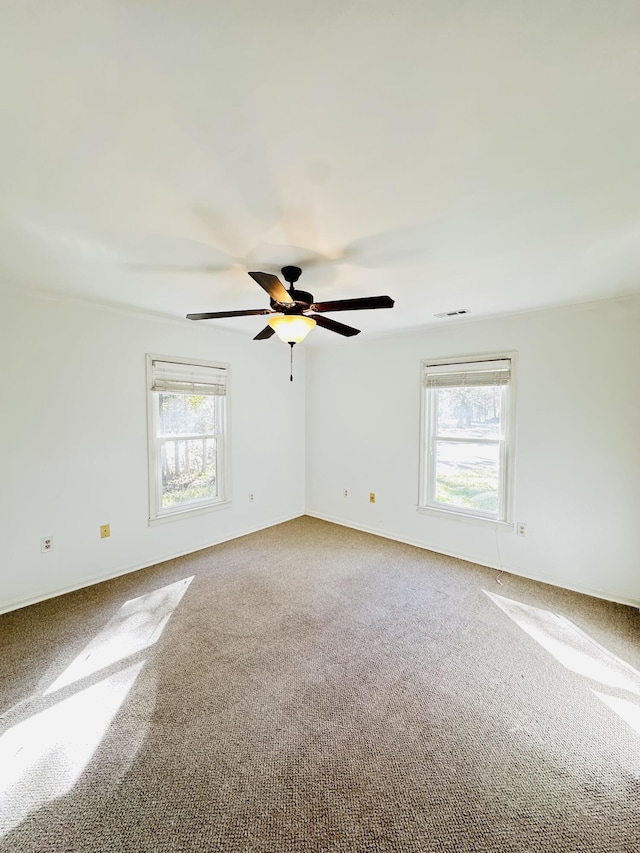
x=506, y=444
x=158, y=515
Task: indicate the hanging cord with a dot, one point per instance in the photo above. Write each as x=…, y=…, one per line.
x=501, y=572
x=291, y=344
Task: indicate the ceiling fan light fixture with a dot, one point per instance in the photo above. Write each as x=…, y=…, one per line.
x=291, y=328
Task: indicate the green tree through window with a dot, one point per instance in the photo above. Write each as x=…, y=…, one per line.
x=465, y=449
x=187, y=402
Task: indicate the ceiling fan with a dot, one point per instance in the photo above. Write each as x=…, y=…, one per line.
x=294, y=311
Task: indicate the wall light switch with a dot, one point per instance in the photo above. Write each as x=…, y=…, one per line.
x=105, y=531
x=372, y=497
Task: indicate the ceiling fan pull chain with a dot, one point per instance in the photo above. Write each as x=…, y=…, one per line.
x=291, y=344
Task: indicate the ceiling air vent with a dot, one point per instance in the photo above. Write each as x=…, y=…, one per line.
x=453, y=313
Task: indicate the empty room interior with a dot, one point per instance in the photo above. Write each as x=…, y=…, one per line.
x=320, y=485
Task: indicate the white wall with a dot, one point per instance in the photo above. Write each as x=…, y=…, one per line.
x=74, y=441
x=577, y=450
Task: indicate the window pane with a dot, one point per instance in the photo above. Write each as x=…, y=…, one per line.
x=186, y=414
x=188, y=470
x=467, y=475
x=469, y=412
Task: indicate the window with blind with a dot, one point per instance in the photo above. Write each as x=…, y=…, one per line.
x=187, y=436
x=466, y=436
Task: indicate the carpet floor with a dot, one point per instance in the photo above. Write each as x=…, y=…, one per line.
x=314, y=688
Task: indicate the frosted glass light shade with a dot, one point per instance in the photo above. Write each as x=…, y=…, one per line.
x=291, y=328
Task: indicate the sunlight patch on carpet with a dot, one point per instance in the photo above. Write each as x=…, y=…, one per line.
x=569, y=645
x=626, y=710
x=43, y=756
x=137, y=625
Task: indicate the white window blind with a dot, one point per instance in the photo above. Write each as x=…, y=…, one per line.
x=467, y=374
x=173, y=377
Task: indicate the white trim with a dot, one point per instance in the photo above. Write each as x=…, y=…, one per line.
x=19, y=291
x=158, y=515
x=468, y=558
x=456, y=439
x=126, y=570
x=584, y=590
x=176, y=515
x=461, y=515
x=12, y=290
x=506, y=445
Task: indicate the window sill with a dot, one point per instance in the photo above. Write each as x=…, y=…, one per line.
x=463, y=516
x=188, y=513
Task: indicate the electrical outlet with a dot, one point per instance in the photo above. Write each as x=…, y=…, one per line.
x=250, y=497
x=105, y=531
x=46, y=544
x=521, y=528
x=345, y=493
x=372, y=497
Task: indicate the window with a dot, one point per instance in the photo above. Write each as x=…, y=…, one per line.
x=466, y=436
x=187, y=436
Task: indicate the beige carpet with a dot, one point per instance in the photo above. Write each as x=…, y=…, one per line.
x=313, y=688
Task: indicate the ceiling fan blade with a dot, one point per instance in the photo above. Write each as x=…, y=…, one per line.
x=354, y=304
x=267, y=332
x=215, y=315
x=333, y=326
x=273, y=286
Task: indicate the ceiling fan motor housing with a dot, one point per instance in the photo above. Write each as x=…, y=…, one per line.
x=302, y=302
x=302, y=299
x=291, y=274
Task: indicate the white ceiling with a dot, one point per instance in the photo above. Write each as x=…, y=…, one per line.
x=480, y=154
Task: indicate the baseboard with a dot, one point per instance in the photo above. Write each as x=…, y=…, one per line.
x=469, y=558
x=116, y=573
